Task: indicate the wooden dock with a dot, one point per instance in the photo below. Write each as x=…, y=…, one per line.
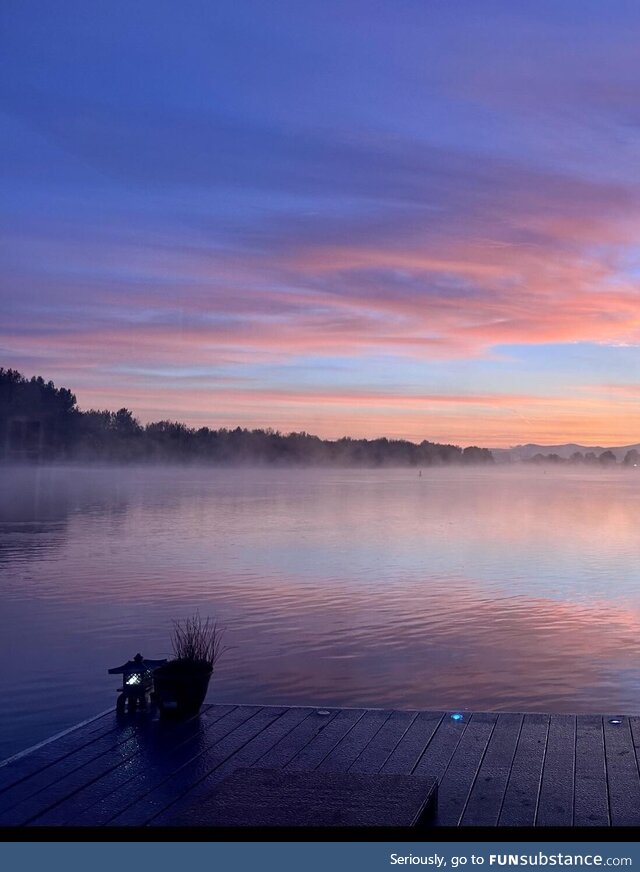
x=493, y=769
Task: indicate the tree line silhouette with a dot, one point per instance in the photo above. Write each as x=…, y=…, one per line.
x=41, y=422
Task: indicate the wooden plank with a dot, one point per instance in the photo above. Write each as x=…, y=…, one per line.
x=455, y=786
x=33, y=795
x=410, y=748
x=622, y=773
x=103, y=747
x=315, y=751
x=555, y=805
x=101, y=799
x=591, y=799
x=437, y=754
x=78, y=753
x=132, y=774
x=521, y=796
x=196, y=769
x=347, y=751
x=375, y=755
x=286, y=749
x=52, y=751
x=24, y=811
x=244, y=757
x=487, y=794
x=634, y=723
x=90, y=723
x=76, y=786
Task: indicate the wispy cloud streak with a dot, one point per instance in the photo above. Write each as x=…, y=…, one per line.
x=228, y=233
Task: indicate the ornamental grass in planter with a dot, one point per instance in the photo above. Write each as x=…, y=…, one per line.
x=181, y=684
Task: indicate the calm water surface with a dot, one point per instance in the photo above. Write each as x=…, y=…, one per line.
x=508, y=589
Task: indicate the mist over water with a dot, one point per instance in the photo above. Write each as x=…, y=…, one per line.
x=487, y=589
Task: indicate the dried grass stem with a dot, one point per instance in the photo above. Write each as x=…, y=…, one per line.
x=197, y=640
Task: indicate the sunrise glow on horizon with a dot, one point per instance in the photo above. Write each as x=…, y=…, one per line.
x=407, y=220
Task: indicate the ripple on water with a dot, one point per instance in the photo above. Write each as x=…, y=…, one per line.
x=473, y=590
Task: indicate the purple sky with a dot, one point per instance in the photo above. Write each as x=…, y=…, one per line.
x=393, y=218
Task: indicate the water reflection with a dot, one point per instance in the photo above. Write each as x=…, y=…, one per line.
x=460, y=589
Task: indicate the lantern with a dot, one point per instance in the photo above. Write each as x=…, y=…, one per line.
x=137, y=682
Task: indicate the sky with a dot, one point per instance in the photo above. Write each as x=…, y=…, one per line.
x=407, y=218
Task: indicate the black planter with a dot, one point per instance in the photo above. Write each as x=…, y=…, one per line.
x=180, y=688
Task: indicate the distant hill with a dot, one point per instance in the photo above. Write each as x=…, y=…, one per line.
x=526, y=452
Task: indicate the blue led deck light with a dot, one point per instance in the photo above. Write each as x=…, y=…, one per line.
x=456, y=717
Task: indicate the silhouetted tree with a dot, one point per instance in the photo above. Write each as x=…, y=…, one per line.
x=36, y=418
x=473, y=454
x=34, y=411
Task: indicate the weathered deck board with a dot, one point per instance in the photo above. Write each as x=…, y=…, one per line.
x=283, y=752
x=23, y=812
x=50, y=752
x=247, y=755
x=591, y=801
x=314, y=752
x=349, y=749
x=196, y=769
x=105, y=749
x=410, y=748
x=379, y=749
x=622, y=773
x=99, y=800
x=86, y=764
x=521, y=796
x=461, y=771
x=441, y=747
x=487, y=794
x=493, y=769
x=555, y=807
x=81, y=766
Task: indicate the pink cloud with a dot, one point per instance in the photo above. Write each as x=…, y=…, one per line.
x=506, y=256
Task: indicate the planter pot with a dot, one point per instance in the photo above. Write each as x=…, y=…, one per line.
x=180, y=688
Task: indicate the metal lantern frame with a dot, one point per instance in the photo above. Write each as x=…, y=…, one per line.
x=137, y=682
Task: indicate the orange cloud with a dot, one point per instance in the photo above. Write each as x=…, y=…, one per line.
x=491, y=419
x=517, y=259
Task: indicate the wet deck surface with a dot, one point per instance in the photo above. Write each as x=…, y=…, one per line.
x=493, y=769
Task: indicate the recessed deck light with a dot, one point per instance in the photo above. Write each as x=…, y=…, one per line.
x=615, y=720
x=456, y=717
